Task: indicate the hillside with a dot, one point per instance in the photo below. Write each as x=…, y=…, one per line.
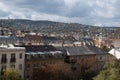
x=42, y=26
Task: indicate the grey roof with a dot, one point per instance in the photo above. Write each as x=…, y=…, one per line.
x=81, y=50
x=8, y=39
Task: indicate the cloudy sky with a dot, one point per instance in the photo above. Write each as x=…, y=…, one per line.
x=91, y=12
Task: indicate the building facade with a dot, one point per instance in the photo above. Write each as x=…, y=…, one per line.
x=12, y=57
x=75, y=60
x=37, y=58
x=86, y=57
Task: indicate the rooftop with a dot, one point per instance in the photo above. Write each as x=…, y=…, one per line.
x=39, y=48
x=115, y=52
x=9, y=46
x=44, y=55
x=82, y=50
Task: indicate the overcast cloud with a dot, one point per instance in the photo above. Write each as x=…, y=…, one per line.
x=91, y=12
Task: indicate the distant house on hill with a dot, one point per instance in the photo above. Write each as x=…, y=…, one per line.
x=8, y=39
x=40, y=40
x=116, y=42
x=33, y=39
x=50, y=40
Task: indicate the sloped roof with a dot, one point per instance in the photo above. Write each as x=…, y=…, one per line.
x=33, y=37
x=115, y=52
x=78, y=50
x=81, y=50
x=50, y=38
x=8, y=39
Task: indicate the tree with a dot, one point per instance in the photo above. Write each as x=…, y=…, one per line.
x=10, y=74
x=111, y=71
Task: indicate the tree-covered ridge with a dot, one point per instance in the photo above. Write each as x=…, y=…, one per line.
x=43, y=26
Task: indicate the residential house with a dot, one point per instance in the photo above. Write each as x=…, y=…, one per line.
x=33, y=40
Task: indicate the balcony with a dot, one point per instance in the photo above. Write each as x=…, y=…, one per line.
x=13, y=60
x=3, y=60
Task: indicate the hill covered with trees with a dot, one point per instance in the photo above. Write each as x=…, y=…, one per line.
x=43, y=26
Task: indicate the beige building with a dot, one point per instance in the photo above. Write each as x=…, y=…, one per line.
x=12, y=57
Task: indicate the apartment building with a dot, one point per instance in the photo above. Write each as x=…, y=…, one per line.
x=85, y=57
x=12, y=57
x=38, y=57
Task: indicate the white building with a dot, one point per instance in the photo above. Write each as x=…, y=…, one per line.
x=115, y=52
x=12, y=57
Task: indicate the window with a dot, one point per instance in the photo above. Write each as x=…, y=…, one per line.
x=27, y=76
x=28, y=66
x=28, y=57
x=20, y=66
x=100, y=57
x=4, y=55
x=35, y=65
x=13, y=55
x=20, y=55
x=4, y=58
x=13, y=59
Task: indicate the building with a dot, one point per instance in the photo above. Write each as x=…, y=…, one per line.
x=52, y=40
x=116, y=42
x=39, y=40
x=8, y=39
x=4, y=31
x=38, y=57
x=74, y=60
x=85, y=57
x=115, y=52
x=12, y=57
x=33, y=39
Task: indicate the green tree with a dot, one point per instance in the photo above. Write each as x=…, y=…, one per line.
x=10, y=74
x=111, y=71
